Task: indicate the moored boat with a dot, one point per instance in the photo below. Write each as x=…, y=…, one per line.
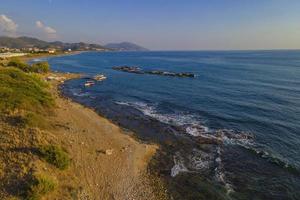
x=89, y=83
x=99, y=77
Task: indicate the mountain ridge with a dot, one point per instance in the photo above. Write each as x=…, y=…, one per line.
x=30, y=42
x=125, y=46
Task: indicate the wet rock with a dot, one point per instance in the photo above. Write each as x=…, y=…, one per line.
x=209, y=140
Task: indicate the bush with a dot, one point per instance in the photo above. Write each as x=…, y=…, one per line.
x=55, y=156
x=23, y=92
x=15, y=62
x=39, y=186
x=40, y=67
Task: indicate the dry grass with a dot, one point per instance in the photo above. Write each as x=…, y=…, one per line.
x=25, y=104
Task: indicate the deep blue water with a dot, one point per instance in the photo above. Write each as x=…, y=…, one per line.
x=251, y=93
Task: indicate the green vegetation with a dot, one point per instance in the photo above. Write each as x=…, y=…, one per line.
x=25, y=104
x=22, y=93
x=55, y=156
x=15, y=62
x=40, y=67
x=38, y=186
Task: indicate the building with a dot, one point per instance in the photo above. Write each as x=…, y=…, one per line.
x=51, y=50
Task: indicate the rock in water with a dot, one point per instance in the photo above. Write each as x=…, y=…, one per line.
x=137, y=70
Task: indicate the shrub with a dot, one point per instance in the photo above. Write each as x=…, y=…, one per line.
x=15, y=62
x=38, y=186
x=40, y=67
x=55, y=156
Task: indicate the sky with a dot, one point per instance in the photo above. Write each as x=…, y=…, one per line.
x=158, y=24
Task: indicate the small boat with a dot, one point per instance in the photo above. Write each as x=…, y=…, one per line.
x=99, y=77
x=89, y=83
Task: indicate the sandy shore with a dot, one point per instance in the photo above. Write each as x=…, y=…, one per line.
x=108, y=162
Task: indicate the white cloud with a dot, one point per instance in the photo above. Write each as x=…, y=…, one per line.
x=50, y=32
x=7, y=25
x=39, y=24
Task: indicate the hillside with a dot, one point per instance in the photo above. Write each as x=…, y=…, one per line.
x=53, y=148
x=125, y=46
x=28, y=42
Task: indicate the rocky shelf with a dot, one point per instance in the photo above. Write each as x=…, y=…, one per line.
x=137, y=70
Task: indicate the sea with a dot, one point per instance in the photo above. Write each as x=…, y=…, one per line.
x=231, y=132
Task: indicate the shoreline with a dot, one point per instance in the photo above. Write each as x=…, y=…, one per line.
x=104, y=151
x=109, y=161
x=181, y=155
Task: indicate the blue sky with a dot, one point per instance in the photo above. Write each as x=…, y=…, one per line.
x=158, y=24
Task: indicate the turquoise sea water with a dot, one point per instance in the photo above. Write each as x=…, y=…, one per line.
x=249, y=100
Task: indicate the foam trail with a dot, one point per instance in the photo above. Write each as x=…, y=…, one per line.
x=219, y=174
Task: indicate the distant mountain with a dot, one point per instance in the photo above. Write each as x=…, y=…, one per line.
x=28, y=42
x=125, y=46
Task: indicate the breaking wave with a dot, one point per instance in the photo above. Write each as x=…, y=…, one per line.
x=39, y=60
x=275, y=160
x=199, y=161
x=189, y=123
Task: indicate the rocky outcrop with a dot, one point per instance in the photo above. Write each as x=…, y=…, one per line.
x=128, y=69
x=137, y=70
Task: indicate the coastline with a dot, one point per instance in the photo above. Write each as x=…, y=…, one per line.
x=30, y=57
x=109, y=163
x=208, y=181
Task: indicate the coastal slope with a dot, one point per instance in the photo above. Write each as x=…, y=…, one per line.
x=53, y=148
x=107, y=161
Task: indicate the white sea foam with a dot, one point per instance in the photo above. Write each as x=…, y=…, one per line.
x=179, y=166
x=192, y=125
x=122, y=103
x=197, y=161
x=79, y=93
x=200, y=160
x=196, y=130
x=38, y=60
x=230, y=137
x=219, y=172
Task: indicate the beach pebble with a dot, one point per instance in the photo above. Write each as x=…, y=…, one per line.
x=124, y=149
x=109, y=151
